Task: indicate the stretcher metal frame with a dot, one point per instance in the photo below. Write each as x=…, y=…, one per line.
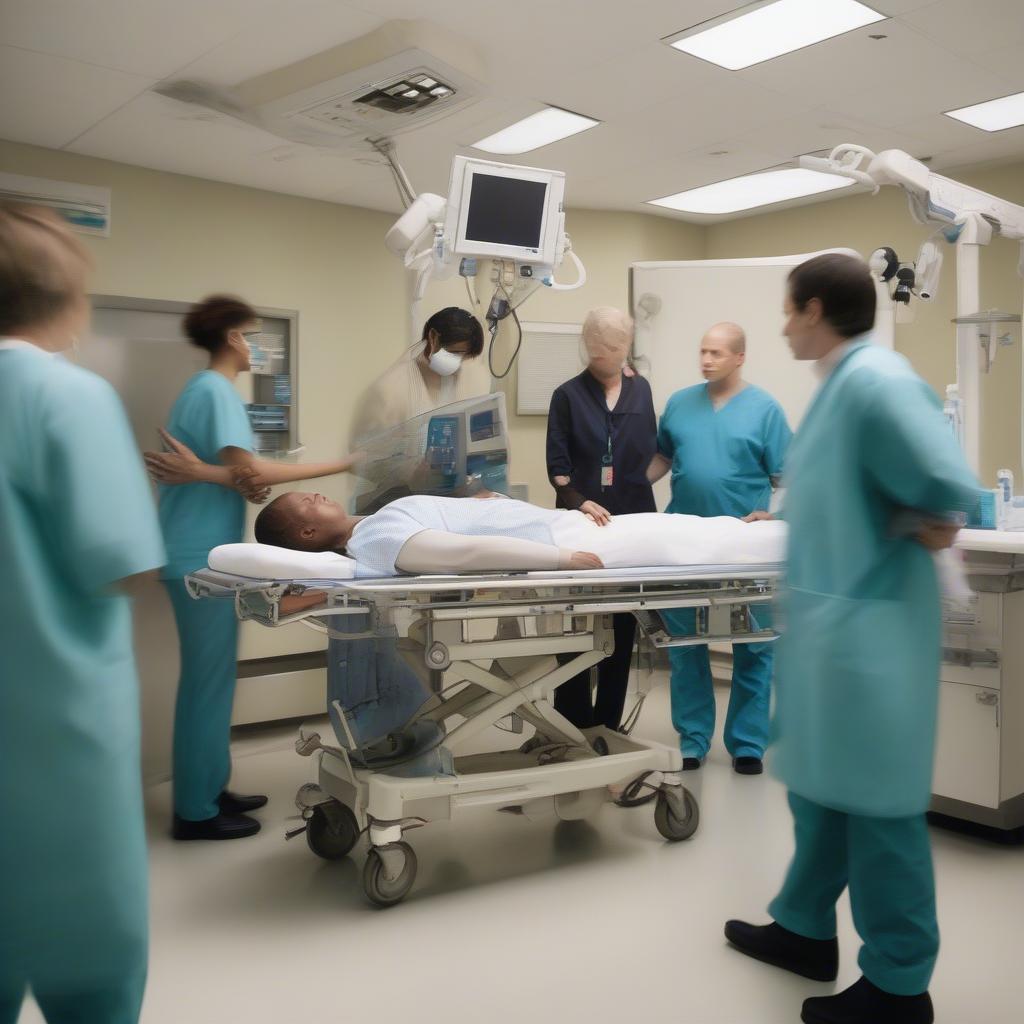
x=509, y=674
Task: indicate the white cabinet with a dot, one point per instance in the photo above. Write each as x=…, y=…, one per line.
x=979, y=758
x=967, y=748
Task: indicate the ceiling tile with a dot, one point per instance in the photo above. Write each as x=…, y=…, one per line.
x=1005, y=64
x=970, y=26
x=57, y=99
x=286, y=33
x=897, y=7
x=146, y=37
x=925, y=82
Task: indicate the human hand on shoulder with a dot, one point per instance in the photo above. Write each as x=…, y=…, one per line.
x=178, y=464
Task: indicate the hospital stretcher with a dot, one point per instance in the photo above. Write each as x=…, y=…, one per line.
x=485, y=649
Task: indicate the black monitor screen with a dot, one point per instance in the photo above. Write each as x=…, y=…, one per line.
x=506, y=211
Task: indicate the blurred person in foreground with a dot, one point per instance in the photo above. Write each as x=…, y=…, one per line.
x=858, y=660
x=78, y=525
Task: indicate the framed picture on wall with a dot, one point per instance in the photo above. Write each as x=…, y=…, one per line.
x=551, y=355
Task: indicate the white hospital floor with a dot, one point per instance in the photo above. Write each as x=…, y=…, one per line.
x=513, y=921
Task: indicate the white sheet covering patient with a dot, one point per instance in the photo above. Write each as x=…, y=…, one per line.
x=424, y=534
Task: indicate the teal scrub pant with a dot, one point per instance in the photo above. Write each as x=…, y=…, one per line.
x=887, y=863
x=117, y=1005
x=208, y=640
x=693, y=693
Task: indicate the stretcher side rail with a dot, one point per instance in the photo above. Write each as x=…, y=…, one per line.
x=722, y=602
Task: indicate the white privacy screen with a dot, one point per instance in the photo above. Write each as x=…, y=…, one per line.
x=675, y=303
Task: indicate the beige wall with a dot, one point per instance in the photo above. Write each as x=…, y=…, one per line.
x=865, y=222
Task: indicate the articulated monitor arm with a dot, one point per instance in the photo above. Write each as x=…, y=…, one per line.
x=933, y=199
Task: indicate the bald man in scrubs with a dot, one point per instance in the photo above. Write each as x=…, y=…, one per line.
x=724, y=442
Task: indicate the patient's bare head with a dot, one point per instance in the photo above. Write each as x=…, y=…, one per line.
x=304, y=522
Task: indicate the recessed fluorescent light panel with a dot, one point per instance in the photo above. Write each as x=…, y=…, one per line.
x=540, y=129
x=993, y=116
x=769, y=29
x=753, y=190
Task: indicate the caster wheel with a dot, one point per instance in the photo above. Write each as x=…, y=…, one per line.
x=669, y=824
x=332, y=833
x=379, y=888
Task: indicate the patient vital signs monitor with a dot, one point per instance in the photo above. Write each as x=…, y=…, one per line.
x=502, y=211
x=453, y=451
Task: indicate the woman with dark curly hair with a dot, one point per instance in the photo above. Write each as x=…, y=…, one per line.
x=204, y=480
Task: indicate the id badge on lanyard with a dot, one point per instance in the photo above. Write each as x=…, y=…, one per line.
x=607, y=470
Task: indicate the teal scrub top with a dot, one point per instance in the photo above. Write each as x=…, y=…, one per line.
x=76, y=515
x=857, y=667
x=723, y=461
x=209, y=415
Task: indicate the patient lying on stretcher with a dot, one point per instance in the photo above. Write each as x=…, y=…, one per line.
x=426, y=534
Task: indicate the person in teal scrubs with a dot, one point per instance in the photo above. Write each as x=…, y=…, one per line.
x=203, y=478
x=78, y=523
x=724, y=442
x=858, y=662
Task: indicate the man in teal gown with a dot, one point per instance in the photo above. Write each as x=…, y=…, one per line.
x=858, y=662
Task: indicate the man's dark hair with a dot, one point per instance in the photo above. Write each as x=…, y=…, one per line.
x=275, y=526
x=843, y=285
x=208, y=322
x=454, y=325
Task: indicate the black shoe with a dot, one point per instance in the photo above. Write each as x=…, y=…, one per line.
x=233, y=803
x=691, y=764
x=817, y=959
x=864, y=1003
x=221, y=826
x=747, y=765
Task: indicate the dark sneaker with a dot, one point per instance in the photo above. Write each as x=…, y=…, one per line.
x=864, y=1003
x=234, y=803
x=817, y=959
x=221, y=826
x=747, y=765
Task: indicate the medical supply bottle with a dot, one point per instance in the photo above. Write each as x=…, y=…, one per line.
x=951, y=409
x=1004, y=481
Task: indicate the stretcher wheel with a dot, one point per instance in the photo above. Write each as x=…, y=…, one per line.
x=379, y=888
x=331, y=834
x=669, y=824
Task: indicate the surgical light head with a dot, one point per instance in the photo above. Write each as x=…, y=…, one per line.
x=884, y=263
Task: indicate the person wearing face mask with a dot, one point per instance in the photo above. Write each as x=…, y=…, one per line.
x=79, y=528
x=601, y=438
x=203, y=478
x=441, y=368
x=724, y=442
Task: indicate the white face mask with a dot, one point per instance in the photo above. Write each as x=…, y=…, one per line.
x=445, y=363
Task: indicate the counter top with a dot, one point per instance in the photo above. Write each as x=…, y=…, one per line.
x=1009, y=542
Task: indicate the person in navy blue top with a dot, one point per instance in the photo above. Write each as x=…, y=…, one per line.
x=602, y=436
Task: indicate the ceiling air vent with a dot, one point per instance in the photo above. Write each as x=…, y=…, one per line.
x=400, y=77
